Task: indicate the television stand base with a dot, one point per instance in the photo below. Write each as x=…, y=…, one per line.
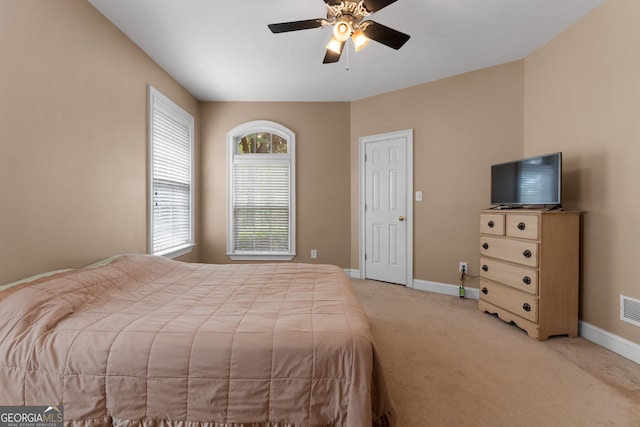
x=556, y=207
x=500, y=207
x=533, y=207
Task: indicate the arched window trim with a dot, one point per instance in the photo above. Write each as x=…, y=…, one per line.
x=233, y=138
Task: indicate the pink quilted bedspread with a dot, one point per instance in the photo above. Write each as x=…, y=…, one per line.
x=149, y=341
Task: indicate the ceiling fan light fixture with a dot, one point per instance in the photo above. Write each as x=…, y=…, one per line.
x=360, y=41
x=342, y=30
x=335, y=45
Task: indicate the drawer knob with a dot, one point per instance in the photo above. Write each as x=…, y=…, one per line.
x=522, y=226
x=485, y=267
x=485, y=291
x=485, y=245
x=527, y=253
x=526, y=307
x=526, y=280
x=491, y=224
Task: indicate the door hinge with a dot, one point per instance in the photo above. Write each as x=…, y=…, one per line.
x=365, y=207
x=365, y=257
x=365, y=158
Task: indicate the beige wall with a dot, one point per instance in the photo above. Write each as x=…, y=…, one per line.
x=73, y=149
x=322, y=167
x=461, y=126
x=73, y=137
x=582, y=97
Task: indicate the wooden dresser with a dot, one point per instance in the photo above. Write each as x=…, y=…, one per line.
x=529, y=269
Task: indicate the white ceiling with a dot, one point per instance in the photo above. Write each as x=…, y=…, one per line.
x=222, y=50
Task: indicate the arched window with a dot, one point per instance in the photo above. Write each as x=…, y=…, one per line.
x=261, y=193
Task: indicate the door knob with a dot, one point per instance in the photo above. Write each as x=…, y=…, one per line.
x=401, y=218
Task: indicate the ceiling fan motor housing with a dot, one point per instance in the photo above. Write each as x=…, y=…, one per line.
x=352, y=12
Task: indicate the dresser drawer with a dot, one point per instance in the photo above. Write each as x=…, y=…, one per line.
x=523, y=226
x=525, y=279
x=520, y=303
x=518, y=251
x=492, y=224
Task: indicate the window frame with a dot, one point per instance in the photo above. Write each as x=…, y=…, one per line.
x=186, y=119
x=233, y=138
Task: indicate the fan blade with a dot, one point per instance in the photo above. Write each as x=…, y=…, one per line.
x=334, y=2
x=332, y=56
x=376, y=5
x=385, y=35
x=307, y=24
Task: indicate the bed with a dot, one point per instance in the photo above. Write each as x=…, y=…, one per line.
x=147, y=341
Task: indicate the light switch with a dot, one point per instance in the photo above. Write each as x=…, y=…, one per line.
x=418, y=196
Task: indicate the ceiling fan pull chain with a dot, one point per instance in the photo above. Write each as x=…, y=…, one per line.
x=347, y=68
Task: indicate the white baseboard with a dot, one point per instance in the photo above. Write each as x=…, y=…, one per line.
x=445, y=288
x=425, y=285
x=354, y=274
x=619, y=345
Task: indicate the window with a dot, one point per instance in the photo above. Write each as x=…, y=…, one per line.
x=261, y=196
x=170, y=177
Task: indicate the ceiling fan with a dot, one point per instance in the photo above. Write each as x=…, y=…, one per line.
x=347, y=19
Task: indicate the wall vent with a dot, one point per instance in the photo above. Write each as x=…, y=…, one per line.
x=630, y=310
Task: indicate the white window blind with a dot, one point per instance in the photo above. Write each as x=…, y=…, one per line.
x=261, y=202
x=171, y=148
x=261, y=207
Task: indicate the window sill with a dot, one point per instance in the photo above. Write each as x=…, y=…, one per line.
x=261, y=257
x=177, y=251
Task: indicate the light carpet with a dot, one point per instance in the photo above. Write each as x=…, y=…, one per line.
x=448, y=364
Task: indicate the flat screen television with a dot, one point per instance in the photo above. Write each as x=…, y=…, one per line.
x=535, y=182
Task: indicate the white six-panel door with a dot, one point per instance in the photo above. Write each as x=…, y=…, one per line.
x=387, y=208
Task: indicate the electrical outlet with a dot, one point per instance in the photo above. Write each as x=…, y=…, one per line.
x=314, y=253
x=462, y=267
